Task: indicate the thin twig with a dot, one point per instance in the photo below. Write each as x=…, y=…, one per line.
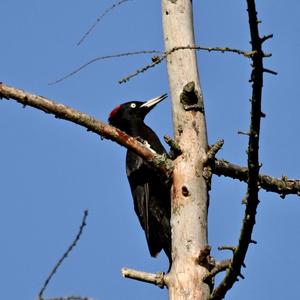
x=102, y=58
x=99, y=19
x=270, y=71
x=65, y=255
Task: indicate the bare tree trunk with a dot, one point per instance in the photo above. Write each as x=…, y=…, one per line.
x=189, y=191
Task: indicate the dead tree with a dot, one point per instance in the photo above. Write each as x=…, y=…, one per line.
x=193, y=269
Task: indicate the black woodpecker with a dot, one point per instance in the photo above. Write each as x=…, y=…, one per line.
x=151, y=196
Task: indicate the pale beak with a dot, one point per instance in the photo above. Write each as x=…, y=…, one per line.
x=152, y=102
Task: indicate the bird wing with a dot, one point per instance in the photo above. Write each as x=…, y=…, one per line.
x=141, y=189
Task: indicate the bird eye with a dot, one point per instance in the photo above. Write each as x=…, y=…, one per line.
x=133, y=105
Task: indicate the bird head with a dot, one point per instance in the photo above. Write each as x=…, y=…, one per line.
x=132, y=113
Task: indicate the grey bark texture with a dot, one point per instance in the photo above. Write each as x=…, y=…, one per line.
x=189, y=190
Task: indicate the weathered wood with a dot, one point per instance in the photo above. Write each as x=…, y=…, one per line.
x=189, y=191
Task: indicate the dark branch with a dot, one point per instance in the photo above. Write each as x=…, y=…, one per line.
x=65, y=255
x=282, y=186
x=270, y=71
x=160, y=162
x=253, y=161
x=266, y=37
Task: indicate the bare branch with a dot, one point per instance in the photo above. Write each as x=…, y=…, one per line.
x=99, y=19
x=158, y=59
x=65, y=255
x=253, y=161
x=155, y=59
x=102, y=58
x=160, y=162
x=156, y=279
x=282, y=186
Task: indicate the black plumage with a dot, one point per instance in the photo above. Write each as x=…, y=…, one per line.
x=151, y=195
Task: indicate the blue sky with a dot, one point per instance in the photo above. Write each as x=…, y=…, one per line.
x=52, y=170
